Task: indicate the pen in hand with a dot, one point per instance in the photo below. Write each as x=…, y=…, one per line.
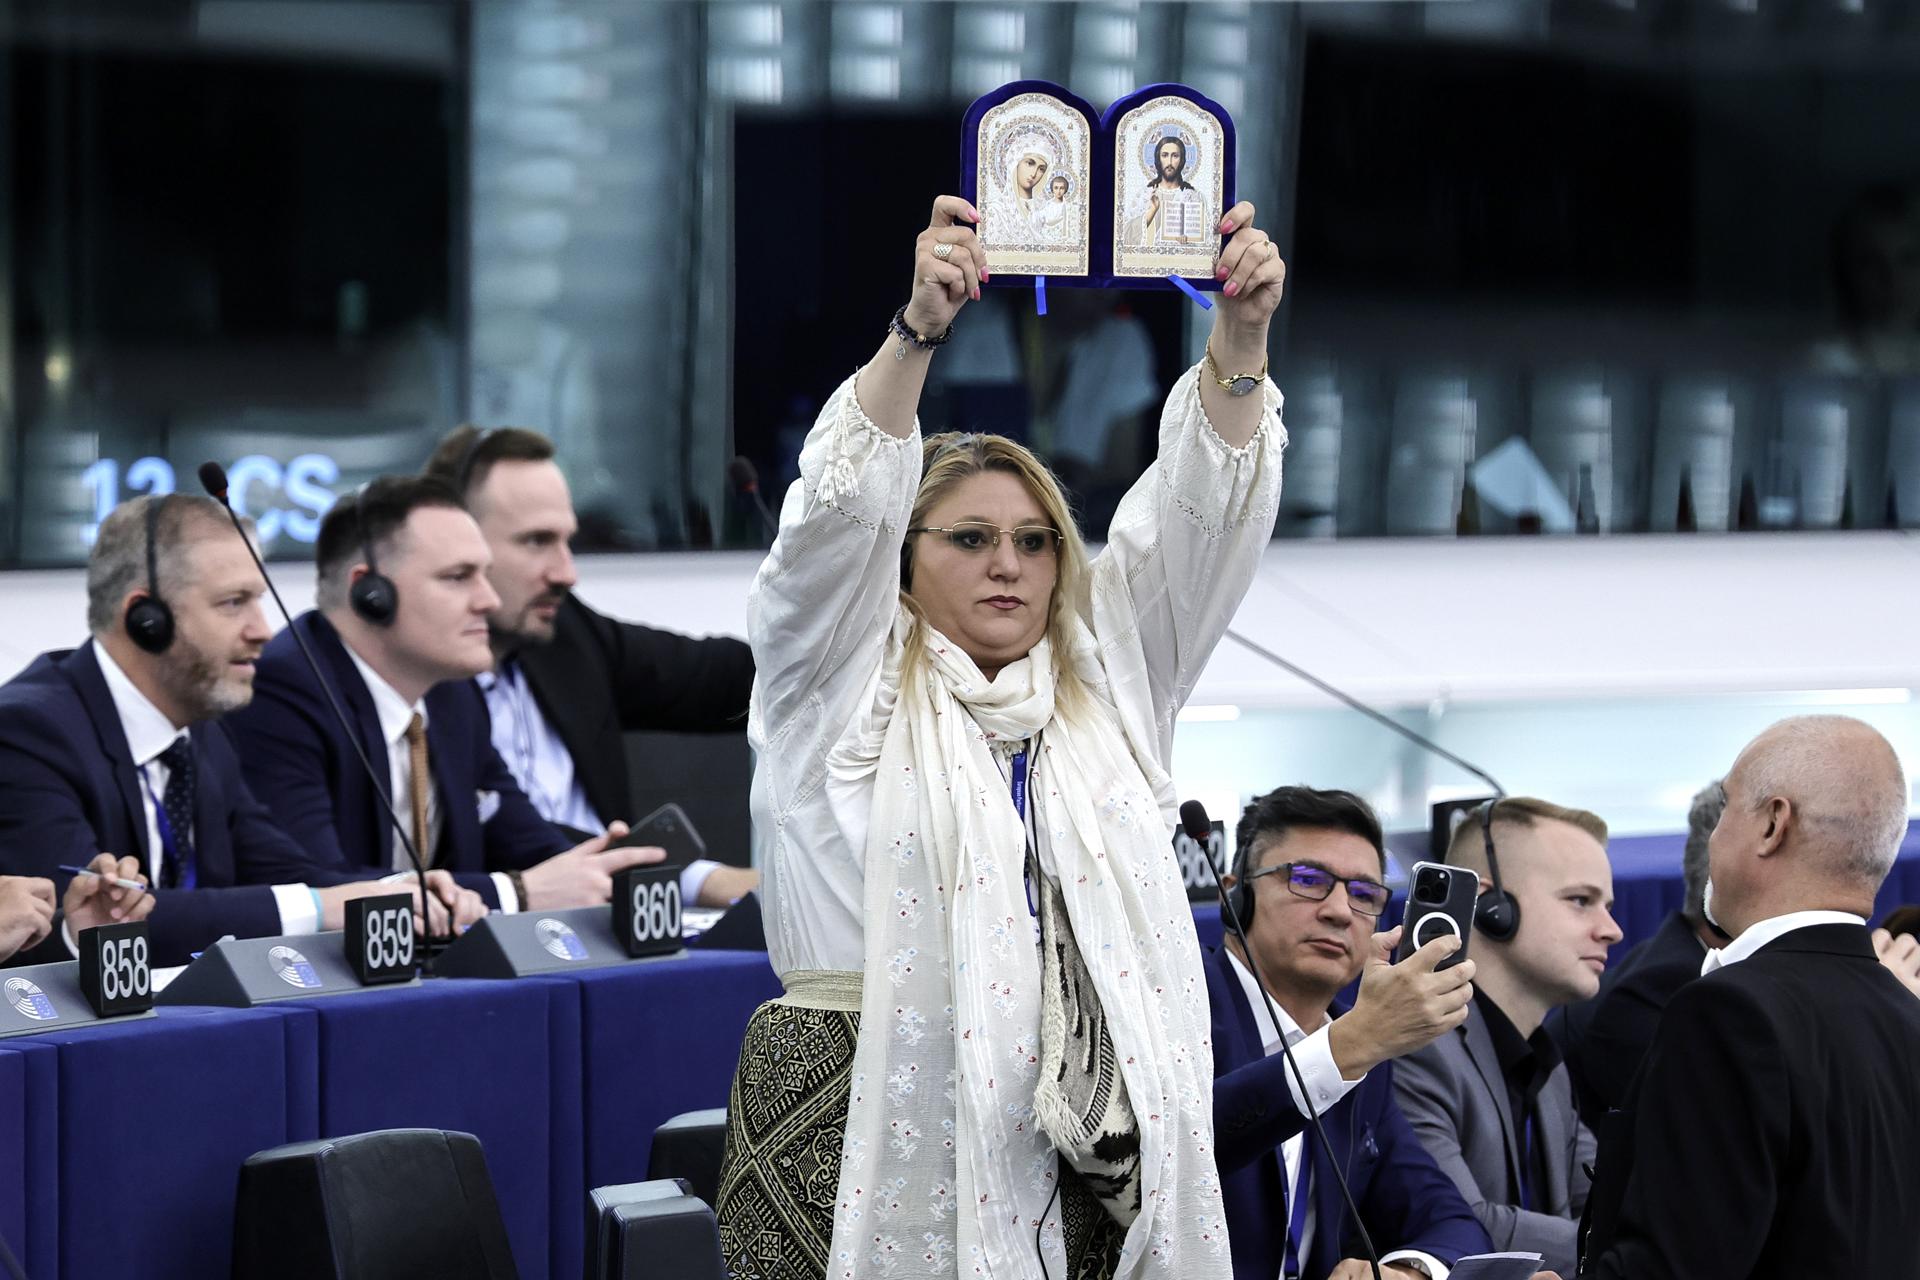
x=121, y=881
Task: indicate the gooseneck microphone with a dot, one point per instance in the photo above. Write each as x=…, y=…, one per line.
x=746, y=480
x=1194, y=821
x=213, y=478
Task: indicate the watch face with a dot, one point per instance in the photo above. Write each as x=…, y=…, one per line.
x=1243, y=385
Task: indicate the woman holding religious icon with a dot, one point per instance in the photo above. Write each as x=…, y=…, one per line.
x=992, y=1056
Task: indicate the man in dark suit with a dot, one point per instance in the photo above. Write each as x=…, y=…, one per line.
x=1307, y=879
x=1490, y=1099
x=115, y=747
x=567, y=682
x=399, y=632
x=1771, y=1128
x=1605, y=1038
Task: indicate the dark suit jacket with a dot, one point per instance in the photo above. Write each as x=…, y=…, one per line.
x=1605, y=1038
x=656, y=679
x=1455, y=1097
x=304, y=768
x=1406, y=1202
x=1771, y=1131
x=71, y=792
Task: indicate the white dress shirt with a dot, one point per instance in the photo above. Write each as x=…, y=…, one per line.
x=149, y=733
x=1313, y=1054
x=1758, y=935
x=538, y=758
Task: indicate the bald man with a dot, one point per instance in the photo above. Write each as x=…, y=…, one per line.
x=1771, y=1128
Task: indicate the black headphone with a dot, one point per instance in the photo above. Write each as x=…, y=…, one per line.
x=1496, y=912
x=149, y=621
x=463, y=470
x=372, y=595
x=1240, y=897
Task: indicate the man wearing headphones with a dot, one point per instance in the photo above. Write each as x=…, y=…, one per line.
x=1307, y=889
x=1491, y=1100
x=400, y=630
x=116, y=747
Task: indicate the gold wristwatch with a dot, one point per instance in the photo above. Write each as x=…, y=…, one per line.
x=1240, y=384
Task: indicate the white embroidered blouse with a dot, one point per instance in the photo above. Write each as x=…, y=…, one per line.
x=1181, y=552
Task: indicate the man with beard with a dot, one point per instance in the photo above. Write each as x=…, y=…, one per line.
x=400, y=630
x=116, y=747
x=1172, y=211
x=567, y=682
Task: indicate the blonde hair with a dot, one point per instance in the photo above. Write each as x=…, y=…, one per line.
x=1468, y=848
x=950, y=457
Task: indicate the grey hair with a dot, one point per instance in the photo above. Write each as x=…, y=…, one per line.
x=1849, y=801
x=1709, y=802
x=117, y=564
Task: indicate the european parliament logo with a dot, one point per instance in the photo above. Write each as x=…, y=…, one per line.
x=293, y=968
x=30, y=1000
x=559, y=940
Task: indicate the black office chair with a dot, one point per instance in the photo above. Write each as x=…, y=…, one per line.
x=398, y=1204
x=689, y=1147
x=649, y=1231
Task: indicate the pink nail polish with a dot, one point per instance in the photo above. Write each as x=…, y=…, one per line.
x=1220, y=272
x=1233, y=287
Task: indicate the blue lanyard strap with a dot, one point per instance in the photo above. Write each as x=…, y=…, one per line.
x=169, y=844
x=1301, y=1198
x=1020, y=782
x=1526, y=1165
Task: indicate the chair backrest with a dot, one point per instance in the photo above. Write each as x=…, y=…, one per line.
x=397, y=1204
x=689, y=1147
x=646, y=1230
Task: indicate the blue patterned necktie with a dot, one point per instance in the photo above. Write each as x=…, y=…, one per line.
x=178, y=803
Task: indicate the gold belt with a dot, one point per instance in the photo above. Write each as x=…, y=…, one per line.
x=822, y=989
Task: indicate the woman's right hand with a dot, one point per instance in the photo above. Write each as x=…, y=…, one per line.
x=942, y=287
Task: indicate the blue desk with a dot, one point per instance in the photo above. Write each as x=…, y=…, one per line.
x=135, y=1134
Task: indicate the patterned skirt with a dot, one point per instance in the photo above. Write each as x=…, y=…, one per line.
x=786, y=1118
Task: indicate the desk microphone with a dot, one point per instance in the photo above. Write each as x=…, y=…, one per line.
x=1194, y=821
x=746, y=480
x=213, y=478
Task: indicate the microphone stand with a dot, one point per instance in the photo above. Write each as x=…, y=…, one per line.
x=213, y=478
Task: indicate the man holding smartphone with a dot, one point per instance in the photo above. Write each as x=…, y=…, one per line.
x=1307, y=888
x=1491, y=1099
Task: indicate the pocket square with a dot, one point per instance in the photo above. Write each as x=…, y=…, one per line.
x=489, y=804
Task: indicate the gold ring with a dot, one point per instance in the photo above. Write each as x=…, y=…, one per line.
x=943, y=251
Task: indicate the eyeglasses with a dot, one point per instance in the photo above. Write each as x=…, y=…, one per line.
x=1369, y=897
x=1031, y=540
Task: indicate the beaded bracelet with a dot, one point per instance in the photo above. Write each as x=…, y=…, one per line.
x=905, y=332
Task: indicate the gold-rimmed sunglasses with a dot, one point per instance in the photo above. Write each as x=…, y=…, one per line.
x=977, y=535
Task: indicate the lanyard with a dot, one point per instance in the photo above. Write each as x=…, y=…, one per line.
x=1017, y=779
x=1020, y=783
x=167, y=840
x=1297, y=1217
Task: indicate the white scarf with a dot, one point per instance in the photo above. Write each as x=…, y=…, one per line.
x=944, y=1171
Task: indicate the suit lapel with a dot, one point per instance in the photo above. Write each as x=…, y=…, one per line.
x=83, y=670
x=1553, y=1115
x=570, y=681
x=1486, y=1063
x=346, y=680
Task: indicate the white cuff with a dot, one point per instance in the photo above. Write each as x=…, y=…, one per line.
x=66, y=936
x=693, y=877
x=1314, y=1057
x=1424, y=1261
x=299, y=909
x=509, y=900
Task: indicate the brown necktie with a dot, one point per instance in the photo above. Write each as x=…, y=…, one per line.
x=421, y=780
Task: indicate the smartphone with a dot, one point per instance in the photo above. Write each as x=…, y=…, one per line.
x=670, y=829
x=1439, y=902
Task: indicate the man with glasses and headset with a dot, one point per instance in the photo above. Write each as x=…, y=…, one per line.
x=1306, y=888
x=1492, y=1100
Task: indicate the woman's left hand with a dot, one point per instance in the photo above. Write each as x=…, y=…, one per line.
x=1251, y=271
